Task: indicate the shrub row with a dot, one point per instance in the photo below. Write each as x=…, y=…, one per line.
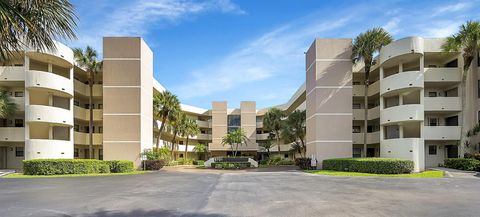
x=231, y=165
x=276, y=161
x=469, y=164
x=198, y=162
x=304, y=163
x=475, y=156
x=71, y=166
x=153, y=164
x=369, y=165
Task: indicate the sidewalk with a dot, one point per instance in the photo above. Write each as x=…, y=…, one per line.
x=4, y=172
x=453, y=173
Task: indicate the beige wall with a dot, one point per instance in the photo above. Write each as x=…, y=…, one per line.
x=219, y=125
x=329, y=99
x=127, y=104
x=249, y=124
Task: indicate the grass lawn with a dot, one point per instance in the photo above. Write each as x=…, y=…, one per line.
x=425, y=174
x=21, y=176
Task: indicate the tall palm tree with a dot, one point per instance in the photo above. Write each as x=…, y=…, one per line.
x=273, y=121
x=235, y=139
x=191, y=129
x=7, y=106
x=177, y=125
x=294, y=129
x=365, y=46
x=34, y=23
x=165, y=104
x=466, y=41
x=88, y=61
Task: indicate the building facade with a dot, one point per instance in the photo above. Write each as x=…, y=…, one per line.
x=414, y=106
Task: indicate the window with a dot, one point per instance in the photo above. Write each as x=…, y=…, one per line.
x=75, y=152
x=432, y=150
x=18, y=94
x=100, y=106
x=181, y=155
x=432, y=121
x=356, y=83
x=285, y=155
x=357, y=106
x=76, y=128
x=75, y=102
x=181, y=142
x=86, y=129
x=19, y=123
x=100, y=129
x=259, y=132
x=432, y=94
x=356, y=129
x=203, y=132
x=19, y=152
x=87, y=106
x=100, y=154
x=234, y=120
x=357, y=152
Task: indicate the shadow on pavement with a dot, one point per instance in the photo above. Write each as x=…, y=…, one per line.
x=144, y=213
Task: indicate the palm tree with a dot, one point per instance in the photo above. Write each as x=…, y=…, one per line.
x=7, y=106
x=234, y=139
x=273, y=121
x=365, y=46
x=191, y=129
x=467, y=41
x=177, y=125
x=267, y=145
x=294, y=129
x=88, y=61
x=165, y=104
x=36, y=24
x=200, y=149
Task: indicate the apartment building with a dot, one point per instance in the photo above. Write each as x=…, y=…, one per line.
x=413, y=109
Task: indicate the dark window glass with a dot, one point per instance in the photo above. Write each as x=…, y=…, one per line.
x=432, y=150
x=19, y=151
x=75, y=152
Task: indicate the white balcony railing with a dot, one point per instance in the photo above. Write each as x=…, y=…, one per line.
x=441, y=132
x=12, y=134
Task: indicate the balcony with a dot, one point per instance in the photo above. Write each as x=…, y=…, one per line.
x=12, y=134
x=401, y=113
x=403, y=81
x=48, y=149
x=84, y=114
x=373, y=113
x=259, y=124
x=50, y=81
x=263, y=136
x=20, y=102
x=443, y=75
x=84, y=138
x=49, y=114
x=439, y=104
x=84, y=89
x=372, y=138
x=441, y=132
x=204, y=124
x=403, y=148
x=402, y=47
x=62, y=55
x=12, y=73
x=358, y=90
x=203, y=137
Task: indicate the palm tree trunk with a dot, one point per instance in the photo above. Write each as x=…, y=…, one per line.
x=186, y=148
x=90, y=122
x=173, y=144
x=278, y=141
x=164, y=118
x=365, y=121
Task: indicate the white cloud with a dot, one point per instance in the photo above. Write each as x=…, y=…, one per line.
x=392, y=25
x=459, y=6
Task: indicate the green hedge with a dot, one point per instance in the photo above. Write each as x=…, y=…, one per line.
x=198, y=162
x=231, y=165
x=71, y=166
x=469, y=164
x=304, y=163
x=369, y=165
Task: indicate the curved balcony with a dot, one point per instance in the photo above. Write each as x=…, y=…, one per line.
x=412, y=46
x=12, y=134
x=84, y=138
x=62, y=55
x=50, y=81
x=404, y=148
x=401, y=113
x=263, y=136
x=373, y=113
x=443, y=75
x=49, y=114
x=441, y=132
x=259, y=124
x=203, y=137
x=359, y=90
x=204, y=124
x=400, y=82
x=12, y=73
x=48, y=149
x=439, y=104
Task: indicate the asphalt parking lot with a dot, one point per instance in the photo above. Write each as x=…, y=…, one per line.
x=273, y=193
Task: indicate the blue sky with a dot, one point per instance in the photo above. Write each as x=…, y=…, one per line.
x=238, y=50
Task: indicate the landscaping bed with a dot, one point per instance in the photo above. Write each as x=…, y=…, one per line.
x=23, y=176
x=231, y=165
x=468, y=164
x=369, y=165
x=75, y=166
x=425, y=174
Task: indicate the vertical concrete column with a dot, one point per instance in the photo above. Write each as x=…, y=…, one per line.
x=27, y=149
x=127, y=98
x=219, y=126
x=248, y=118
x=382, y=135
x=400, y=68
x=329, y=99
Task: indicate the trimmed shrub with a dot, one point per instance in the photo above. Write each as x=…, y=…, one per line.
x=183, y=161
x=285, y=162
x=153, y=164
x=304, y=163
x=475, y=156
x=274, y=160
x=263, y=162
x=469, y=164
x=64, y=166
x=198, y=162
x=120, y=166
x=231, y=165
x=369, y=165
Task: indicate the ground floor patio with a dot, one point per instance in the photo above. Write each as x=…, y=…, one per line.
x=262, y=192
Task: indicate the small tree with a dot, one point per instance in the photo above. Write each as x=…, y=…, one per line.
x=294, y=130
x=235, y=139
x=273, y=122
x=190, y=129
x=201, y=149
x=177, y=124
x=267, y=145
x=165, y=105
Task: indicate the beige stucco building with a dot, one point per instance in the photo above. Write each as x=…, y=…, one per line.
x=414, y=105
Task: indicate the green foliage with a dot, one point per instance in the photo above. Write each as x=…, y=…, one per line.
x=198, y=162
x=231, y=165
x=425, y=174
x=468, y=164
x=7, y=106
x=165, y=104
x=120, y=166
x=71, y=166
x=234, y=139
x=304, y=163
x=158, y=154
x=294, y=131
x=180, y=161
x=369, y=165
x=200, y=148
x=153, y=164
x=474, y=155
